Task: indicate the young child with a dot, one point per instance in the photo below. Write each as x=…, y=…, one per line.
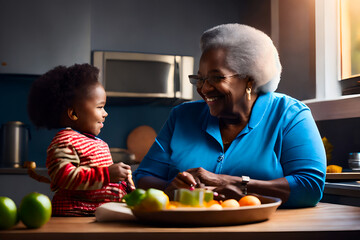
x=79, y=164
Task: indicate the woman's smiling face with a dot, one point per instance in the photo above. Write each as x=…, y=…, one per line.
x=225, y=98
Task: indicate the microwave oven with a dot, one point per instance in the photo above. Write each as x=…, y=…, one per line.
x=143, y=75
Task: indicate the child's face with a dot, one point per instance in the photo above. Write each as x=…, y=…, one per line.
x=90, y=111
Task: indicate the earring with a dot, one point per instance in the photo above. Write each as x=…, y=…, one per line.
x=248, y=91
x=73, y=117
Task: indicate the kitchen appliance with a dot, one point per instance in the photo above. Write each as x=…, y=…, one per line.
x=354, y=161
x=143, y=75
x=15, y=137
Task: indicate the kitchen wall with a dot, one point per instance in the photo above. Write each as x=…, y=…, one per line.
x=38, y=35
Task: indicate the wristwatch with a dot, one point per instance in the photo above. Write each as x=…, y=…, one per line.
x=244, y=182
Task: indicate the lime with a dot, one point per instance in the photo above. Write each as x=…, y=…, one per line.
x=184, y=196
x=208, y=196
x=35, y=210
x=154, y=200
x=135, y=197
x=8, y=213
x=193, y=198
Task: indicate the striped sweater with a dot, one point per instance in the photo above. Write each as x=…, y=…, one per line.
x=78, y=167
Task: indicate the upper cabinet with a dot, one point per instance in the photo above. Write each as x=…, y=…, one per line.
x=37, y=35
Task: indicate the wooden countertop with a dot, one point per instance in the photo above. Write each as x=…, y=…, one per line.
x=325, y=221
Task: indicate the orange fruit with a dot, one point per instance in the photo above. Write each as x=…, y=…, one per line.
x=212, y=202
x=215, y=206
x=35, y=210
x=230, y=203
x=8, y=213
x=333, y=169
x=249, y=200
x=172, y=205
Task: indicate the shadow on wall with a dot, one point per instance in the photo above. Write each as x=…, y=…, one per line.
x=14, y=89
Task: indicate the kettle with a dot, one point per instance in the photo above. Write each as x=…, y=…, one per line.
x=14, y=141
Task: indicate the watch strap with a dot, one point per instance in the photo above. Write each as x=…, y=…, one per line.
x=245, y=180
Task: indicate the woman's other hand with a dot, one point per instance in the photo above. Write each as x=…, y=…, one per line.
x=182, y=180
x=225, y=187
x=228, y=192
x=206, y=178
x=119, y=172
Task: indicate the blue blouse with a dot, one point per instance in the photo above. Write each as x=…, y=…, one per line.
x=280, y=140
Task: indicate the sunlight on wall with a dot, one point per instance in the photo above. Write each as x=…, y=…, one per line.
x=350, y=38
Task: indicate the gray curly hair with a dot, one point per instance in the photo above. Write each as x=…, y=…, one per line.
x=250, y=52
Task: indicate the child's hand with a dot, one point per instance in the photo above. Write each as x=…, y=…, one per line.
x=119, y=172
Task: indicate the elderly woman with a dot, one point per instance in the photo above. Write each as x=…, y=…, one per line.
x=243, y=135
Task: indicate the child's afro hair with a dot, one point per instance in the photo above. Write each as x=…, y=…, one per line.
x=54, y=92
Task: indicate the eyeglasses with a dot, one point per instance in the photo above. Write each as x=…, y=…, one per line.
x=213, y=80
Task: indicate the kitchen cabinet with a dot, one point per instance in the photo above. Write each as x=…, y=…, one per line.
x=325, y=221
x=39, y=35
x=347, y=193
x=340, y=108
x=16, y=183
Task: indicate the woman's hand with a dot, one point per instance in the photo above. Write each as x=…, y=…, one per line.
x=182, y=180
x=199, y=177
x=228, y=192
x=225, y=185
x=206, y=178
x=119, y=172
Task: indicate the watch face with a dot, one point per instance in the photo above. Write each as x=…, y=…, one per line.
x=245, y=179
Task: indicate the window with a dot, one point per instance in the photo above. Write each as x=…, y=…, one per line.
x=330, y=86
x=350, y=38
x=327, y=50
x=337, y=48
x=349, y=19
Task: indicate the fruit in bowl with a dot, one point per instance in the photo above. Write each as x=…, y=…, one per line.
x=156, y=200
x=193, y=198
x=150, y=200
x=134, y=198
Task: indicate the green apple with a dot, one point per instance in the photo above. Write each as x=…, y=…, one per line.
x=35, y=210
x=154, y=200
x=135, y=197
x=8, y=213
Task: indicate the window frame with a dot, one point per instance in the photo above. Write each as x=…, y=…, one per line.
x=329, y=103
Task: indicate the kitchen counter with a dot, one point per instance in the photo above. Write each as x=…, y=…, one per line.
x=342, y=192
x=325, y=221
x=348, y=188
x=22, y=171
x=16, y=183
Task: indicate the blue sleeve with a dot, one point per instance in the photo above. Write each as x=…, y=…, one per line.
x=156, y=161
x=303, y=159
